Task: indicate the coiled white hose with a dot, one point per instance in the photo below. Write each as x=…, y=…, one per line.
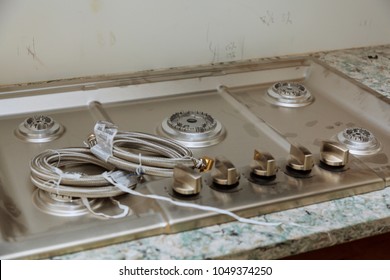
x=134, y=152
x=148, y=154
x=47, y=174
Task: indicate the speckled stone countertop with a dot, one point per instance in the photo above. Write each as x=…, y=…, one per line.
x=302, y=229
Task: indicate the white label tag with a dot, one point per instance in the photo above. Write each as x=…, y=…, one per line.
x=105, y=133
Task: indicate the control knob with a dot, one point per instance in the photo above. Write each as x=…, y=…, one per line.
x=334, y=154
x=186, y=181
x=264, y=165
x=225, y=174
x=301, y=159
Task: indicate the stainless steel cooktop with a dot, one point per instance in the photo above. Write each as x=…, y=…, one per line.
x=271, y=136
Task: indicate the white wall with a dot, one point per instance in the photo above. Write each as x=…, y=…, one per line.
x=43, y=40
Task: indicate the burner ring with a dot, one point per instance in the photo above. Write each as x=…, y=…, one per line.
x=193, y=129
x=192, y=122
x=39, y=129
x=359, y=141
x=289, y=94
x=62, y=205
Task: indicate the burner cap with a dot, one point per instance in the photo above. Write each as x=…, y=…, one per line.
x=193, y=128
x=289, y=94
x=359, y=141
x=62, y=205
x=39, y=129
x=192, y=122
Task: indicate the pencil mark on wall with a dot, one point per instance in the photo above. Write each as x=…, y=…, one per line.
x=231, y=50
x=242, y=48
x=268, y=18
x=214, y=51
x=106, y=39
x=211, y=46
x=365, y=23
x=32, y=51
x=222, y=49
x=100, y=39
x=271, y=18
x=286, y=18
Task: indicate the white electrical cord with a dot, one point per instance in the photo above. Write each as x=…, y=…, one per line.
x=122, y=180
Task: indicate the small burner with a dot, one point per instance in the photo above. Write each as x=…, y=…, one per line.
x=193, y=128
x=192, y=122
x=39, y=129
x=62, y=205
x=289, y=94
x=359, y=141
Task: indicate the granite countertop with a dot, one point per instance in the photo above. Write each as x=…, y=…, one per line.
x=303, y=229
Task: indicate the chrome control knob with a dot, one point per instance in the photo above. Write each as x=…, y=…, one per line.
x=301, y=159
x=334, y=154
x=186, y=181
x=264, y=164
x=225, y=173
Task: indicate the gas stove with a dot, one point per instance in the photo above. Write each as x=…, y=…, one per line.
x=262, y=137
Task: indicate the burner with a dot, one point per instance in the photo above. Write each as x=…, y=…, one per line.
x=193, y=128
x=62, y=205
x=39, y=129
x=359, y=141
x=289, y=94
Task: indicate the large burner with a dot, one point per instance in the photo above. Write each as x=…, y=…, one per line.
x=359, y=141
x=39, y=129
x=289, y=94
x=193, y=128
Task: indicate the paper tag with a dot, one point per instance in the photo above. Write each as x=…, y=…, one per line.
x=105, y=133
x=122, y=178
